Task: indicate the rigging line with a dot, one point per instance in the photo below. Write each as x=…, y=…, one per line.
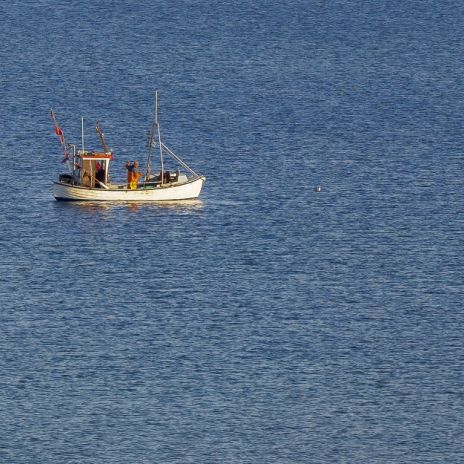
x=180, y=161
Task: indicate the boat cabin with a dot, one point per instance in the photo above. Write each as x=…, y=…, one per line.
x=92, y=169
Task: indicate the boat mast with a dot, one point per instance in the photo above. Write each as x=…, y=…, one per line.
x=82, y=132
x=159, y=137
x=74, y=162
x=150, y=144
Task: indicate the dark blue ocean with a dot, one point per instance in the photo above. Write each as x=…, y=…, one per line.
x=267, y=322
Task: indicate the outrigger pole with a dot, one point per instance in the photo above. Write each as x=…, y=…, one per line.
x=100, y=133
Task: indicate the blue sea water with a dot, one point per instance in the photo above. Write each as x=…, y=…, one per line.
x=267, y=322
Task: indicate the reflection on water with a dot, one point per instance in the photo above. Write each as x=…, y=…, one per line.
x=131, y=205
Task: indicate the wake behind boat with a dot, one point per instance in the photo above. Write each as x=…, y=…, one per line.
x=89, y=179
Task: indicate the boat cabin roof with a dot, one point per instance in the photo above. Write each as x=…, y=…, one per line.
x=86, y=155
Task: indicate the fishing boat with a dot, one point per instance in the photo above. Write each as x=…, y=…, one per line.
x=89, y=178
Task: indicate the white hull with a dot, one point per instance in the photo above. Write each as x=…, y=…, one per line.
x=168, y=192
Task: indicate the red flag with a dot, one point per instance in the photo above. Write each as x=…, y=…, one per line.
x=60, y=134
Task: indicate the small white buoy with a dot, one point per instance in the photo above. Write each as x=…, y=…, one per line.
x=318, y=188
